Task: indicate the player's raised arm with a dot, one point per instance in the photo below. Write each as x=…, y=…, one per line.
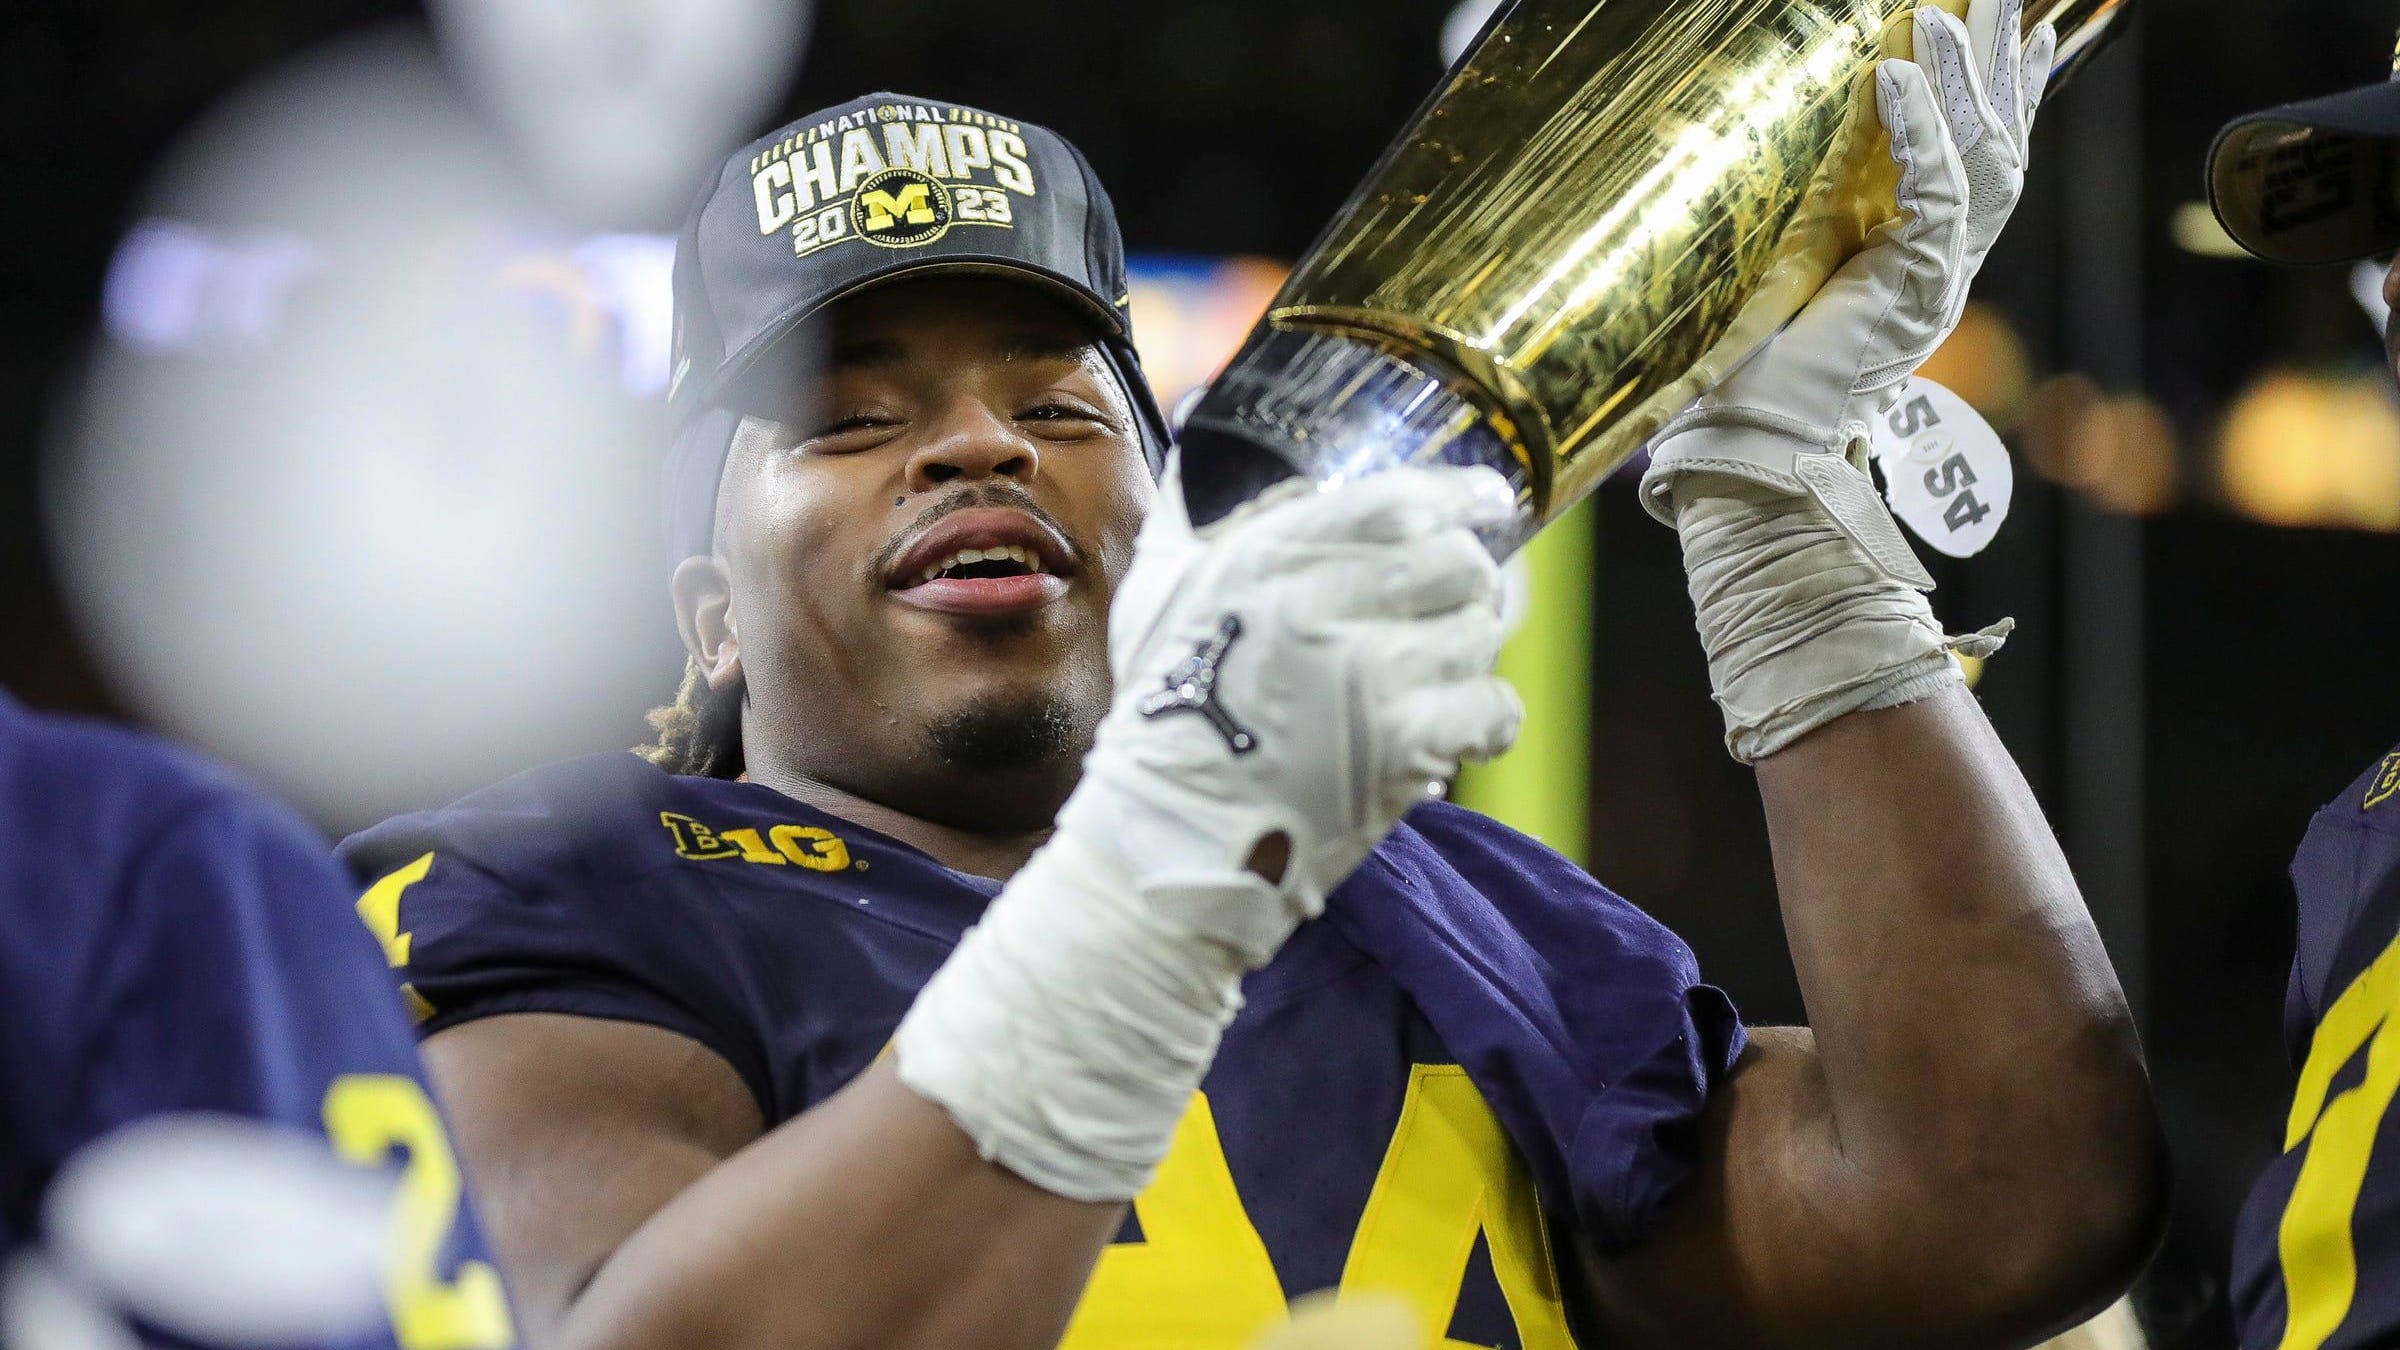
x=1964, y=1152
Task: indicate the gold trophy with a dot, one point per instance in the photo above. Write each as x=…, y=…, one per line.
x=1606, y=206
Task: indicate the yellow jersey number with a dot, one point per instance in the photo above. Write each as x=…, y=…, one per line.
x=2314, y=1241
x=1202, y=1278
x=370, y=1117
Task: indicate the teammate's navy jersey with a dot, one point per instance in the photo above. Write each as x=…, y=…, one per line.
x=1467, y=988
x=171, y=942
x=2317, y=1254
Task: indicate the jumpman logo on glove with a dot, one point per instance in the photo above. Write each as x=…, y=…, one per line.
x=1192, y=687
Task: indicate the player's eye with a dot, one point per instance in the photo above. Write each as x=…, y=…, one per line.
x=857, y=426
x=1065, y=413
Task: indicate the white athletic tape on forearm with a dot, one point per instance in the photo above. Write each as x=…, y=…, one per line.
x=1800, y=625
x=1067, y=1033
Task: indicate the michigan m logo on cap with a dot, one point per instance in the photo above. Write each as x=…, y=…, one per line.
x=901, y=208
x=911, y=203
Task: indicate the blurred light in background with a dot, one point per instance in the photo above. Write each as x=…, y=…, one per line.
x=2196, y=230
x=2314, y=450
x=2119, y=451
x=1984, y=362
x=1191, y=314
x=178, y=286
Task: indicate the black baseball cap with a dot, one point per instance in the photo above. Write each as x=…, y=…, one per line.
x=880, y=188
x=2313, y=183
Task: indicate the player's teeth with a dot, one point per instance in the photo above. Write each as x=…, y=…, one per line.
x=1016, y=553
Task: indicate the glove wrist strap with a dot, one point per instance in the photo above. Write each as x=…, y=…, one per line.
x=1802, y=623
x=1067, y=1033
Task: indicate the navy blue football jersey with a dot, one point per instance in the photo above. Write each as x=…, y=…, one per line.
x=2317, y=1253
x=173, y=942
x=1476, y=1034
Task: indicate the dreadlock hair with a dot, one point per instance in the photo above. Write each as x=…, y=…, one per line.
x=700, y=733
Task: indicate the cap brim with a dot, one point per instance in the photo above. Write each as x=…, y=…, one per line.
x=705, y=429
x=2312, y=183
x=1107, y=317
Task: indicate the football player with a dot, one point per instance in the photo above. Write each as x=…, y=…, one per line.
x=1014, y=935
x=174, y=943
x=2316, y=1258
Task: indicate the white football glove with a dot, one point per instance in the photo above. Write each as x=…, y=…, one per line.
x=1810, y=603
x=1309, y=670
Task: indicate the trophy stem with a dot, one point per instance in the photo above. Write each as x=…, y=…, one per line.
x=1330, y=408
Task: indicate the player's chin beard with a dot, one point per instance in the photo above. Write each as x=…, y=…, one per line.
x=1004, y=734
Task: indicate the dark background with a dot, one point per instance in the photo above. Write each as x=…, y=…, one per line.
x=2186, y=688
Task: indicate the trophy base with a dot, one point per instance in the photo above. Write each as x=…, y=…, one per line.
x=1331, y=408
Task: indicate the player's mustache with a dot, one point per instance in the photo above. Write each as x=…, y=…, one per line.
x=1001, y=494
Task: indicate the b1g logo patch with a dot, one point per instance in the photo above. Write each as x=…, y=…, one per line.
x=818, y=850
x=2387, y=782
x=901, y=208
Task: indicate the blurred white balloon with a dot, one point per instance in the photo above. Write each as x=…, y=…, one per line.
x=617, y=106
x=225, y=1230
x=394, y=533
x=40, y=1310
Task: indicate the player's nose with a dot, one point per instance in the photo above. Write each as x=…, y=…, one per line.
x=971, y=440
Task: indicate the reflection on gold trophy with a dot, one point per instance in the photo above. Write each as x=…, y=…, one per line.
x=1605, y=207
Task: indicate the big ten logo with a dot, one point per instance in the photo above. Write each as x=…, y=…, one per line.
x=818, y=850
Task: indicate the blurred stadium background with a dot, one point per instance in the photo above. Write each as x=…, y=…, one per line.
x=2209, y=455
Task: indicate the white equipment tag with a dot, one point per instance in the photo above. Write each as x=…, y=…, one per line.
x=1945, y=471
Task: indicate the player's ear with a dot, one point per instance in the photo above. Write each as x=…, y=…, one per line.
x=704, y=615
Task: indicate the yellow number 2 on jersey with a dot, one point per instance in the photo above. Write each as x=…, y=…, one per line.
x=2315, y=1243
x=369, y=1116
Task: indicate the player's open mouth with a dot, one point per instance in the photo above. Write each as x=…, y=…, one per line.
x=986, y=561
x=985, y=564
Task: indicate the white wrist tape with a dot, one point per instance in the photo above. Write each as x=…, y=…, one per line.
x=1067, y=1033
x=1801, y=623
